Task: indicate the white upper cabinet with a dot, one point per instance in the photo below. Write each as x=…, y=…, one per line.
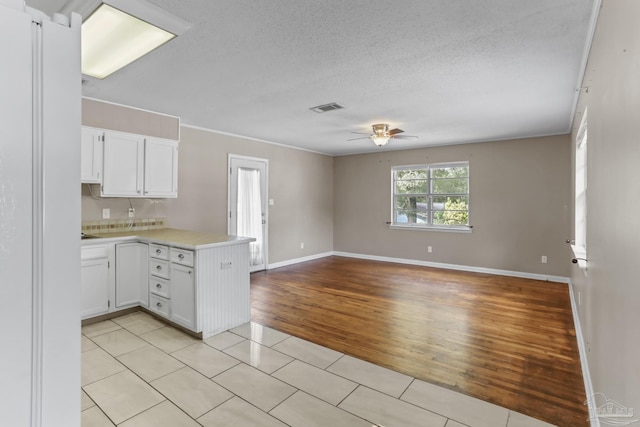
x=160, y=168
x=123, y=164
x=91, y=155
x=139, y=166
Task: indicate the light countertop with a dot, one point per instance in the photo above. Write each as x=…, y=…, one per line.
x=173, y=237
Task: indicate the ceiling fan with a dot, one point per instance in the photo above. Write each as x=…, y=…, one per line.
x=381, y=134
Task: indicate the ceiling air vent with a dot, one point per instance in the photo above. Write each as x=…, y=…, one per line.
x=326, y=107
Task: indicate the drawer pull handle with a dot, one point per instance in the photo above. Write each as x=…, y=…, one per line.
x=180, y=256
x=158, y=285
x=158, y=251
x=158, y=267
x=158, y=304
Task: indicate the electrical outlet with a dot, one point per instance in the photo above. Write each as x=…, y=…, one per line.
x=543, y=259
x=429, y=249
x=106, y=213
x=132, y=212
x=301, y=245
x=225, y=265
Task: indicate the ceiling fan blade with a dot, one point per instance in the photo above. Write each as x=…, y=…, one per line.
x=354, y=139
x=404, y=137
x=395, y=131
x=361, y=133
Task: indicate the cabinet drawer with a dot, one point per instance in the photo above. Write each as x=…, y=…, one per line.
x=181, y=256
x=159, y=286
x=159, y=268
x=158, y=251
x=160, y=305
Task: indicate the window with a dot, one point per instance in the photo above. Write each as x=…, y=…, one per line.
x=431, y=196
x=581, y=187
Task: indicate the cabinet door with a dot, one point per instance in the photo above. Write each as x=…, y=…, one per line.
x=123, y=164
x=183, y=306
x=132, y=280
x=94, y=273
x=160, y=168
x=91, y=156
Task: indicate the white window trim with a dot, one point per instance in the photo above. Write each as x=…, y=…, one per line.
x=429, y=227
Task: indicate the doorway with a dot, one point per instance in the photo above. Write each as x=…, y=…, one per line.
x=247, y=205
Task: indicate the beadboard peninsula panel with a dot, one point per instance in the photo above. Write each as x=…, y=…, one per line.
x=222, y=288
x=105, y=115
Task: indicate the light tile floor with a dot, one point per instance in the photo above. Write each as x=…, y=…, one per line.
x=140, y=372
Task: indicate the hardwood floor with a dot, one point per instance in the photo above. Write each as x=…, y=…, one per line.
x=506, y=340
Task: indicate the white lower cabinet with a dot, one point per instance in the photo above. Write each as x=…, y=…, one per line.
x=96, y=279
x=172, y=284
x=205, y=290
x=160, y=305
x=183, y=301
x=132, y=272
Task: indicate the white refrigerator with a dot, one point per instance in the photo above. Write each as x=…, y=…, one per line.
x=40, y=110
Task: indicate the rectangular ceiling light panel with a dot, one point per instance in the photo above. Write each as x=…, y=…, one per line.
x=114, y=36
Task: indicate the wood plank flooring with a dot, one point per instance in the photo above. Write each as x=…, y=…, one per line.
x=506, y=340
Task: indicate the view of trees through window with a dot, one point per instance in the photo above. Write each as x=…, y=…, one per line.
x=431, y=195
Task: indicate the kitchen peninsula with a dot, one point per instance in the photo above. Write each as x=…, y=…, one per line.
x=199, y=281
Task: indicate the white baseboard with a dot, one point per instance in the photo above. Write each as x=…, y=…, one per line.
x=473, y=269
x=298, y=260
x=582, y=349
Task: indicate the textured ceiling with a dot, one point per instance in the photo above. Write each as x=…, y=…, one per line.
x=454, y=71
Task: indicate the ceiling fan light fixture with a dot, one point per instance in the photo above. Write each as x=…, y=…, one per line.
x=380, y=140
x=381, y=129
x=380, y=135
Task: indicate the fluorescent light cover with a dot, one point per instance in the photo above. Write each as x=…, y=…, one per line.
x=112, y=39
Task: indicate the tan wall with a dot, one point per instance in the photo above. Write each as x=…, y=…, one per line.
x=519, y=206
x=105, y=115
x=300, y=183
x=92, y=206
x=610, y=292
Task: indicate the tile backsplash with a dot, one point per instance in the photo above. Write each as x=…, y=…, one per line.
x=121, y=225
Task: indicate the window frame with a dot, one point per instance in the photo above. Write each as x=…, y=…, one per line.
x=429, y=195
x=579, y=244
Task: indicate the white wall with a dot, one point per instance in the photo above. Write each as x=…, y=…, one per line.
x=610, y=291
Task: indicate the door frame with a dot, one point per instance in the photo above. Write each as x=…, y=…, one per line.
x=265, y=201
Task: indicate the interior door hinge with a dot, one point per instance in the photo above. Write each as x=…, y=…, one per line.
x=108, y=264
x=230, y=171
x=109, y=304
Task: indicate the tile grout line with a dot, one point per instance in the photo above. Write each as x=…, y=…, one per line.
x=358, y=384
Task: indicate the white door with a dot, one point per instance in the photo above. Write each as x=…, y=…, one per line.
x=160, y=168
x=94, y=273
x=91, y=156
x=183, y=296
x=123, y=164
x=132, y=274
x=248, y=179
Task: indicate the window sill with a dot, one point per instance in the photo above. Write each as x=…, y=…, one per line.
x=580, y=253
x=454, y=229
